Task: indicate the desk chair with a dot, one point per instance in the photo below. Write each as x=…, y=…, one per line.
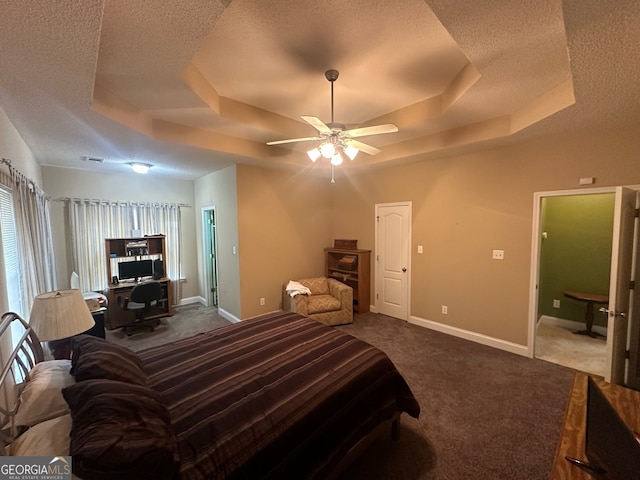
x=142, y=298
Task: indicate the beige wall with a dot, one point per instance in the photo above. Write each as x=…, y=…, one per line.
x=218, y=190
x=65, y=182
x=13, y=147
x=466, y=206
x=284, y=223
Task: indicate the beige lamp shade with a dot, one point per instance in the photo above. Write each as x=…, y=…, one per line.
x=60, y=314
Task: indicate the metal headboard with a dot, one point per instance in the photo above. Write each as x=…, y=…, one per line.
x=15, y=370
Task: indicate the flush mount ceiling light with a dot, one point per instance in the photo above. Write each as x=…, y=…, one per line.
x=336, y=139
x=140, y=167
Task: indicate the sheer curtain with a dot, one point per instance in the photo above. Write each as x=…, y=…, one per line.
x=92, y=221
x=163, y=219
x=35, y=242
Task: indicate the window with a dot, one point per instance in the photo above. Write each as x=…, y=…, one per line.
x=10, y=251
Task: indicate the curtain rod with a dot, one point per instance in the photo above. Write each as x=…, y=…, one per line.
x=14, y=171
x=118, y=202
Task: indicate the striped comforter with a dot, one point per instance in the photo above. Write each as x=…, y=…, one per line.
x=278, y=396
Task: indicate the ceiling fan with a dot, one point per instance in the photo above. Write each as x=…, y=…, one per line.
x=335, y=138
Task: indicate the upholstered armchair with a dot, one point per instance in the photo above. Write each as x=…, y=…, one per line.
x=330, y=301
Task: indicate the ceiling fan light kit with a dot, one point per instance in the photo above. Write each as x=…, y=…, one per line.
x=351, y=151
x=314, y=154
x=327, y=150
x=336, y=159
x=335, y=139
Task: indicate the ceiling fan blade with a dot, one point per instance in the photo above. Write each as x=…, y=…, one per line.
x=375, y=130
x=293, y=140
x=316, y=123
x=363, y=147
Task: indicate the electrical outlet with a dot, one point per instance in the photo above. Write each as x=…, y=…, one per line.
x=262, y=301
x=498, y=254
x=556, y=303
x=445, y=310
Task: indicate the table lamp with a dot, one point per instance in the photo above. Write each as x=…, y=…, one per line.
x=58, y=316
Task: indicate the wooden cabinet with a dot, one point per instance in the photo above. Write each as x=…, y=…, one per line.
x=625, y=401
x=353, y=268
x=118, y=250
x=122, y=249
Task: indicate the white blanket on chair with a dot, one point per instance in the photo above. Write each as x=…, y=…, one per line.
x=296, y=288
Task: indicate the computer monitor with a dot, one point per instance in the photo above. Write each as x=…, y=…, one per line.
x=135, y=270
x=611, y=448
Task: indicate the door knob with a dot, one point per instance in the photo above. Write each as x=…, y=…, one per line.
x=404, y=269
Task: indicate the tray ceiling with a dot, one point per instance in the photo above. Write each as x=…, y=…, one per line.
x=194, y=86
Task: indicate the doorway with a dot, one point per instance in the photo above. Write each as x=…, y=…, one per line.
x=393, y=259
x=617, y=306
x=210, y=256
x=573, y=281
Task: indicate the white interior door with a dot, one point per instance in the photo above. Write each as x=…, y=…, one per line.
x=620, y=284
x=393, y=240
x=633, y=365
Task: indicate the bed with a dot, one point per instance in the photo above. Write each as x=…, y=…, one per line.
x=277, y=396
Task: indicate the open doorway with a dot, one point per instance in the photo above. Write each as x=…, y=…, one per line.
x=210, y=255
x=574, y=264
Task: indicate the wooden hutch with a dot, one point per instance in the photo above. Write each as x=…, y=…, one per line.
x=120, y=250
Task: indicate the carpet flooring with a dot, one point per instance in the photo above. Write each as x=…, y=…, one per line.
x=186, y=321
x=486, y=413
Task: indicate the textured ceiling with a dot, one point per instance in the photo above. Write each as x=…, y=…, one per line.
x=193, y=86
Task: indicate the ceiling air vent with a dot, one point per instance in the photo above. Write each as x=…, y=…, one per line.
x=92, y=159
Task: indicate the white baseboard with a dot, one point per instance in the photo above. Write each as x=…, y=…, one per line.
x=226, y=315
x=192, y=300
x=202, y=301
x=472, y=336
x=570, y=324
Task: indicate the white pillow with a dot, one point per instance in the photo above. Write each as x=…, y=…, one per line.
x=41, y=399
x=46, y=439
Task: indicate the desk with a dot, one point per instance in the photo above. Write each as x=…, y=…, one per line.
x=117, y=317
x=590, y=299
x=572, y=438
x=98, y=329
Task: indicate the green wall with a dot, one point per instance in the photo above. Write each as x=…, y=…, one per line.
x=576, y=253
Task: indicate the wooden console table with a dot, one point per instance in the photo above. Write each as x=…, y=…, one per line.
x=590, y=299
x=572, y=438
